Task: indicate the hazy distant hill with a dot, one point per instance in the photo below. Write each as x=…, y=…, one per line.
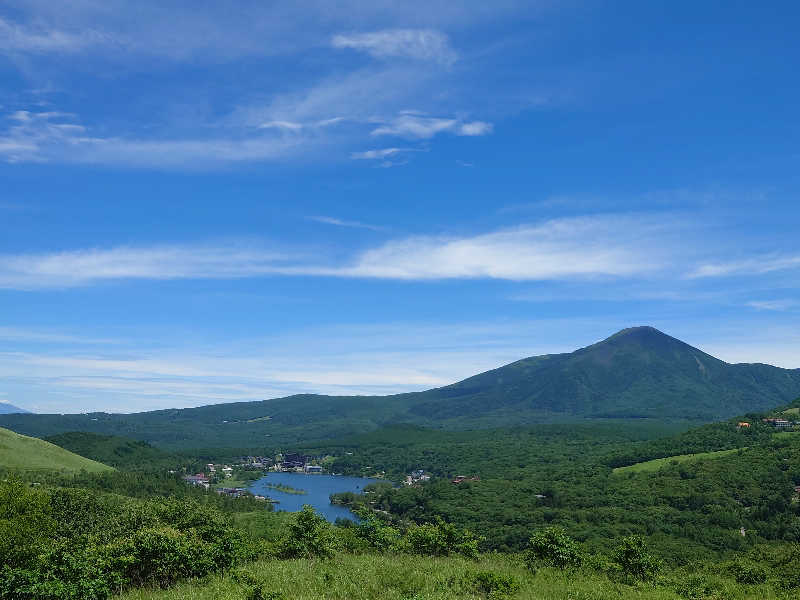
x=634, y=374
x=6, y=408
x=19, y=452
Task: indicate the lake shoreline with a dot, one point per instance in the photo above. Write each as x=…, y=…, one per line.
x=314, y=490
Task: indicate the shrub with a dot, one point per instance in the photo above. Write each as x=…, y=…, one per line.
x=554, y=548
x=747, y=572
x=697, y=587
x=495, y=585
x=58, y=574
x=308, y=535
x=440, y=539
x=378, y=534
x=632, y=558
x=25, y=522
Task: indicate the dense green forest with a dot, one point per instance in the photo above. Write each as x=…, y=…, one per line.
x=116, y=451
x=560, y=475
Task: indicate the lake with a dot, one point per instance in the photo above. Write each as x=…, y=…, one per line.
x=318, y=487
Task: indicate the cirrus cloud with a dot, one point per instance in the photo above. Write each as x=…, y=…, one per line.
x=581, y=247
x=418, y=44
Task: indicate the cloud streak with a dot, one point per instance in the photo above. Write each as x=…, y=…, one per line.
x=752, y=266
x=57, y=137
x=20, y=38
x=345, y=223
x=413, y=125
x=587, y=247
x=417, y=44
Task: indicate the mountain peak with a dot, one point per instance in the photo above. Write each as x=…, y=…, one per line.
x=643, y=336
x=638, y=331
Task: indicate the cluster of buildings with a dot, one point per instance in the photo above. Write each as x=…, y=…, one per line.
x=200, y=479
x=256, y=462
x=225, y=470
x=298, y=463
x=779, y=423
x=418, y=476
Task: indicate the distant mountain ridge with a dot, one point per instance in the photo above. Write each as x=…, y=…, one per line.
x=637, y=373
x=6, y=409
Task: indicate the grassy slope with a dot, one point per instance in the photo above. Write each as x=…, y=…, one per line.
x=656, y=464
x=19, y=452
x=387, y=577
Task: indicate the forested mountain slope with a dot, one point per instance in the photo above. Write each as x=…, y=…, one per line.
x=636, y=373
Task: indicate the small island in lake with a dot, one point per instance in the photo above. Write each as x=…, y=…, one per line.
x=286, y=489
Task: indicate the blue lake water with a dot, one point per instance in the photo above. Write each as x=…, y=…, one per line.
x=318, y=487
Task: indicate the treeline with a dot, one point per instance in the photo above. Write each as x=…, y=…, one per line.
x=139, y=484
x=509, y=453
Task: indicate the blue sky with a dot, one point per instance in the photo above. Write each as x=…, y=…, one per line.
x=206, y=201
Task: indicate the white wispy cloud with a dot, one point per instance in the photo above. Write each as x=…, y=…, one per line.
x=388, y=157
x=57, y=137
x=18, y=334
x=598, y=246
x=379, y=154
x=414, y=125
x=83, y=267
x=294, y=126
x=418, y=44
x=564, y=248
x=773, y=305
x=15, y=37
x=218, y=31
x=751, y=266
x=345, y=223
x=51, y=136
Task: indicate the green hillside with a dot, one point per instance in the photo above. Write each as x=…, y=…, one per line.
x=113, y=450
x=638, y=373
x=19, y=452
x=657, y=463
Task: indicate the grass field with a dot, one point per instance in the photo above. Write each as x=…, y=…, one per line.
x=792, y=411
x=655, y=465
x=392, y=577
x=23, y=453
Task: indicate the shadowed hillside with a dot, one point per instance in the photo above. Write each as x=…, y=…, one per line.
x=637, y=373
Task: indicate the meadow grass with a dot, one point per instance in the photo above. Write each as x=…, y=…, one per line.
x=404, y=577
x=656, y=464
x=23, y=453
